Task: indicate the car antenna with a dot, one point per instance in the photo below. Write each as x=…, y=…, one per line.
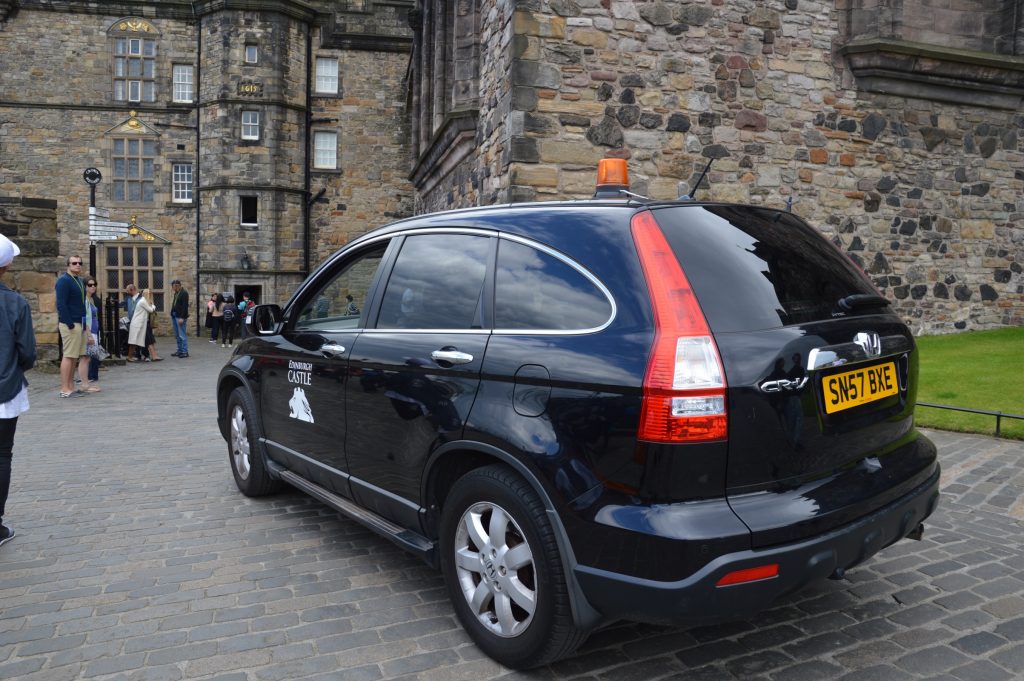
x=688, y=197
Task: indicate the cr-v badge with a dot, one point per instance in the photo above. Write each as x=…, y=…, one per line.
x=869, y=342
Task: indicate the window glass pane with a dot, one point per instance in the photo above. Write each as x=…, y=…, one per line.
x=437, y=283
x=119, y=67
x=135, y=46
x=119, y=90
x=158, y=261
x=111, y=257
x=134, y=91
x=149, y=48
x=120, y=46
x=158, y=275
x=119, y=166
x=135, y=67
x=132, y=167
x=149, y=147
x=143, y=255
x=148, y=67
x=142, y=280
x=249, y=205
x=534, y=290
x=325, y=150
x=119, y=146
x=147, y=191
x=251, y=54
x=759, y=268
x=149, y=91
x=147, y=168
x=133, y=147
x=112, y=283
x=119, y=191
x=339, y=304
x=158, y=300
x=326, y=75
x=134, y=191
x=127, y=256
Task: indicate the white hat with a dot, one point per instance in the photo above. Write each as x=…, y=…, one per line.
x=8, y=249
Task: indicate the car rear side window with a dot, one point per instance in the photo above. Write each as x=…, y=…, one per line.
x=535, y=290
x=437, y=283
x=758, y=268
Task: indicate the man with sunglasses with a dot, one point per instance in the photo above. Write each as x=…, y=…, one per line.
x=71, y=320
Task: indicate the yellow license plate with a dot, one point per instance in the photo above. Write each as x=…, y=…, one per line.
x=860, y=386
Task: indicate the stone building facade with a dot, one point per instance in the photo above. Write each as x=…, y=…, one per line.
x=246, y=139
x=269, y=132
x=895, y=126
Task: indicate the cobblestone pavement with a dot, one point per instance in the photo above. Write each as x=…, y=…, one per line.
x=137, y=558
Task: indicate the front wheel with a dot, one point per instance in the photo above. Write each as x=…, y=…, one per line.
x=503, y=570
x=247, y=462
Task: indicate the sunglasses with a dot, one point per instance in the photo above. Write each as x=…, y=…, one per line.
x=75, y=262
x=90, y=284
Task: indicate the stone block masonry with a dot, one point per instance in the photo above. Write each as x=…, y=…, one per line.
x=924, y=195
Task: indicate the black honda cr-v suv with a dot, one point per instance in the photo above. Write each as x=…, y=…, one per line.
x=593, y=410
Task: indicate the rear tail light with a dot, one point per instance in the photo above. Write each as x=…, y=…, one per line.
x=755, y=574
x=684, y=387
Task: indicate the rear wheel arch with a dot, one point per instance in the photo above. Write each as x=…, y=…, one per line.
x=454, y=460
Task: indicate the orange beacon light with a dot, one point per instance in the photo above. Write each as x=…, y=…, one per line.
x=612, y=176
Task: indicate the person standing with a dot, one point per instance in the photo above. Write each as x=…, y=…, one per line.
x=139, y=326
x=17, y=355
x=151, y=321
x=129, y=306
x=216, y=316
x=92, y=303
x=179, y=318
x=71, y=316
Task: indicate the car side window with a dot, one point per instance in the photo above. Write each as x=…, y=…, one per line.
x=340, y=303
x=437, y=283
x=535, y=290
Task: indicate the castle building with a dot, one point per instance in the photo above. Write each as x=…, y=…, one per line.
x=241, y=141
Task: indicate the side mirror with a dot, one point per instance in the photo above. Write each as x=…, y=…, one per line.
x=267, y=320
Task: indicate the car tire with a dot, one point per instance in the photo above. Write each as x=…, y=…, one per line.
x=503, y=570
x=245, y=452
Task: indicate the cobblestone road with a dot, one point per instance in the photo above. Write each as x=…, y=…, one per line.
x=136, y=558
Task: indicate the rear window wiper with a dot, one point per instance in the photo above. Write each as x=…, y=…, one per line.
x=851, y=303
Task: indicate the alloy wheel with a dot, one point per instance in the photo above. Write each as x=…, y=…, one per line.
x=240, y=443
x=496, y=570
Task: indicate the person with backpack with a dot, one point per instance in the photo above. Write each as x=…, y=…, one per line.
x=244, y=310
x=227, y=325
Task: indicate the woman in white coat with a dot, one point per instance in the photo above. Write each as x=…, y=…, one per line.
x=137, y=329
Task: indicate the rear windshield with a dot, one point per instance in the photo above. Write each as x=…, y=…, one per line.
x=758, y=268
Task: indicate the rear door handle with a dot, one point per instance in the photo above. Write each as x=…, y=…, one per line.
x=332, y=349
x=451, y=356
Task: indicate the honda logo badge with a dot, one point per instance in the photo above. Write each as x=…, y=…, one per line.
x=870, y=343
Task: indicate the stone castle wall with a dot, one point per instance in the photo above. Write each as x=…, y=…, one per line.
x=925, y=195
x=32, y=225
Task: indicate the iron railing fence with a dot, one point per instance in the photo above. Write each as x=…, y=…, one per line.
x=998, y=414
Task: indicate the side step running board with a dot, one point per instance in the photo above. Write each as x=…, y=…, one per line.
x=406, y=539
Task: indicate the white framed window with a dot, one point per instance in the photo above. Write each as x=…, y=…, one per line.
x=183, y=82
x=325, y=150
x=248, y=210
x=134, y=162
x=134, y=70
x=252, y=53
x=250, y=125
x=181, y=183
x=327, y=75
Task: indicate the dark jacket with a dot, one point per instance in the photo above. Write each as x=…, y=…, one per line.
x=70, y=299
x=180, y=307
x=17, y=343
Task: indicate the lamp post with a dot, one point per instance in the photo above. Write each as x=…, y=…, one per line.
x=92, y=177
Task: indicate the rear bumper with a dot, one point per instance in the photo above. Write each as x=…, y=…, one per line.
x=698, y=600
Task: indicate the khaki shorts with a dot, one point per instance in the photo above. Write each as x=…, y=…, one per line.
x=73, y=340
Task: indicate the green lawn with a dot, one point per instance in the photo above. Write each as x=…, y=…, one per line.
x=977, y=370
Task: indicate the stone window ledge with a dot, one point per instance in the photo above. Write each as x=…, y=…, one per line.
x=907, y=69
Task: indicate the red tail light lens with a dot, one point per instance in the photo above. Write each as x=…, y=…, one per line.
x=756, y=574
x=684, y=388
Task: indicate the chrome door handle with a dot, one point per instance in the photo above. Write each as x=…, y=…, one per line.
x=451, y=356
x=332, y=349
